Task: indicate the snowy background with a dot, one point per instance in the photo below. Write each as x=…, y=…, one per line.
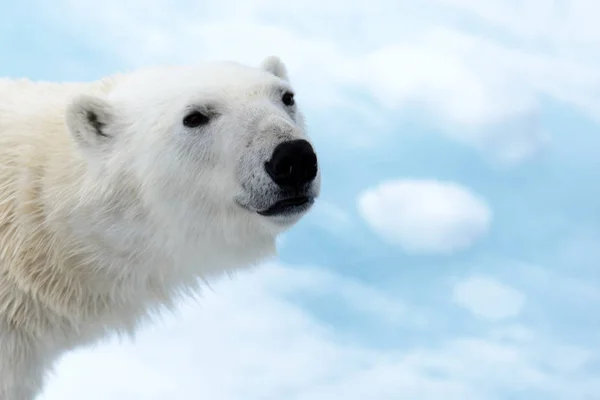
x=455, y=251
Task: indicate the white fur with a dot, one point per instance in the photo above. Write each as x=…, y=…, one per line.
x=103, y=223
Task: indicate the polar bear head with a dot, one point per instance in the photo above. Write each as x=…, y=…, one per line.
x=217, y=150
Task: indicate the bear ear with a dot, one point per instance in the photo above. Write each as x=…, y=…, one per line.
x=89, y=121
x=275, y=66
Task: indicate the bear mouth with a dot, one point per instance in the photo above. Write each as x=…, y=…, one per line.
x=292, y=205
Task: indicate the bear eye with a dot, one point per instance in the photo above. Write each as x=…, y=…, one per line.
x=288, y=99
x=195, y=119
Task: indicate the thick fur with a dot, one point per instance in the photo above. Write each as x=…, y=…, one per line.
x=111, y=208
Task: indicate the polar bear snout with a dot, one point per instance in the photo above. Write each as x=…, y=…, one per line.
x=288, y=184
x=293, y=170
x=292, y=165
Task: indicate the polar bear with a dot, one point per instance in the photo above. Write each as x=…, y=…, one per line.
x=118, y=196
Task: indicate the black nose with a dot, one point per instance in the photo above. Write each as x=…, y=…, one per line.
x=293, y=164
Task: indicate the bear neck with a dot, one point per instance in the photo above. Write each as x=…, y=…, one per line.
x=63, y=255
